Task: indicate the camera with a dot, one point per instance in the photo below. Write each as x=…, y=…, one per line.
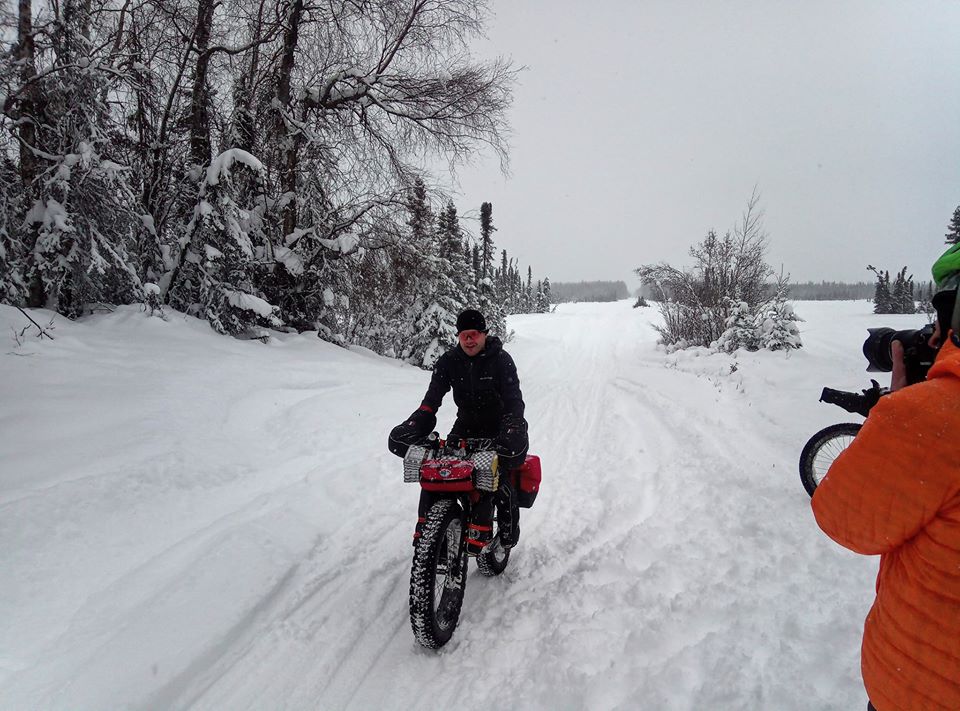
x=918, y=356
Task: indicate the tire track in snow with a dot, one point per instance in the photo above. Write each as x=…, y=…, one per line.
x=611, y=561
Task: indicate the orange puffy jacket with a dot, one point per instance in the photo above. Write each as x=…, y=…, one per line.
x=895, y=491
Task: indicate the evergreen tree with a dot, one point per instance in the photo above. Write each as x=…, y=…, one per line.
x=776, y=322
x=903, y=293
x=953, y=229
x=882, y=298
x=426, y=317
x=488, y=301
x=546, y=295
x=224, y=249
x=741, y=329
x=541, y=303
x=529, y=296
x=462, y=263
x=82, y=213
x=486, y=240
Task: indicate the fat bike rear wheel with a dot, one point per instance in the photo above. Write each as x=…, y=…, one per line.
x=438, y=576
x=494, y=557
x=820, y=451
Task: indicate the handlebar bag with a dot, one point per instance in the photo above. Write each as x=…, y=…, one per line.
x=447, y=475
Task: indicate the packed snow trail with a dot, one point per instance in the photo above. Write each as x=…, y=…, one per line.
x=188, y=521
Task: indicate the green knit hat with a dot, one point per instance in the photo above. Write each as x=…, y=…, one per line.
x=946, y=275
x=946, y=270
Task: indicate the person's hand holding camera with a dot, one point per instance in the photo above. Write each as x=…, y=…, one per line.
x=898, y=376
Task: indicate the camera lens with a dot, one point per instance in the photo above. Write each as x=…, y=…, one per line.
x=876, y=349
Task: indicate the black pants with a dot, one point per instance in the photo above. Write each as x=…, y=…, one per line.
x=871, y=707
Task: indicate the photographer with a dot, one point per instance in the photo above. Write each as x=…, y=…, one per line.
x=895, y=491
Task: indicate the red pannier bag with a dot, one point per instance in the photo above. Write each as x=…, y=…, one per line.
x=528, y=475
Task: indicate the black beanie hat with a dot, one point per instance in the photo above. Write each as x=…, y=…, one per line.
x=471, y=320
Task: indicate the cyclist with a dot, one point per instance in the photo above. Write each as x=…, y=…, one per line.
x=486, y=390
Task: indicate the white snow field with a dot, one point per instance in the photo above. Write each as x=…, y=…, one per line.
x=189, y=521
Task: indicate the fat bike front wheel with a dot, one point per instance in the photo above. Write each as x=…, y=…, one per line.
x=820, y=451
x=438, y=576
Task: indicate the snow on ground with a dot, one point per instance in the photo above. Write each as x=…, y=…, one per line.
x=191, y=521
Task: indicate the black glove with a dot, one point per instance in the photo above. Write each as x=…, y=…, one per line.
x=412, y=430
x=511, y=443
x=870, y=398
x=422, y=422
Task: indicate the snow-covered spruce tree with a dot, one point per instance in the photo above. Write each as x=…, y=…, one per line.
x=902, y=295
x=80, y=219
x=430, y=319
x=529, y=297
x=776, y=322
x=487, y=298
x=224, y=249
x=547, y=295
x=741, y=329
x=373, y=319
x=13, y=287
x=953, y=228
x=455, y=252
x=882, y=299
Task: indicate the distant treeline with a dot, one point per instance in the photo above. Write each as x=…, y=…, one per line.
x=562, y=292
x=824, y=291
x=840, y=291
x=831, y=291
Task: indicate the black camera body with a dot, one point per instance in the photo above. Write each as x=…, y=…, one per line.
x=918, y=356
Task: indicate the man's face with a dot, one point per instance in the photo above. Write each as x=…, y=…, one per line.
x=472, y=342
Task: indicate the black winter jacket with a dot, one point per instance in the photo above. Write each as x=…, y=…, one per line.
x=486, y=388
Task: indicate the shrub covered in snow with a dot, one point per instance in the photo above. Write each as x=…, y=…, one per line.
x=724, y=302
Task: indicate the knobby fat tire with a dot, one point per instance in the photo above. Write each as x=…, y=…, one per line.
x=434, y=621
x=813, y=447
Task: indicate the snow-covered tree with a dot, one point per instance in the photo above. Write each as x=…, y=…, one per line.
x=456, y=253
x=488, y=301
x=547, y=297
x=953, y=229
x=727, y=270
x=898, y=299
x=776, y=323
x=424, y=320
x=741, y=329
x=882, y=298
x=224, y=249
x=903, y=292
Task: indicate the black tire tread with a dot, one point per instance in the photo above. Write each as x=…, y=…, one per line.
x=423, y=576
x=487, y=562
x=815, y=444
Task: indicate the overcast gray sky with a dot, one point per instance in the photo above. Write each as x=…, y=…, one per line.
x=638, y=125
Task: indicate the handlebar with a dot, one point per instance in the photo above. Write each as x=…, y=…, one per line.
x=460, y=449
x=859, y=403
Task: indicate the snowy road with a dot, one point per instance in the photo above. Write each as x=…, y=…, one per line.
x=188, y=521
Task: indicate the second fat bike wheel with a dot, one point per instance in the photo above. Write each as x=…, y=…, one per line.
x=820, y=451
